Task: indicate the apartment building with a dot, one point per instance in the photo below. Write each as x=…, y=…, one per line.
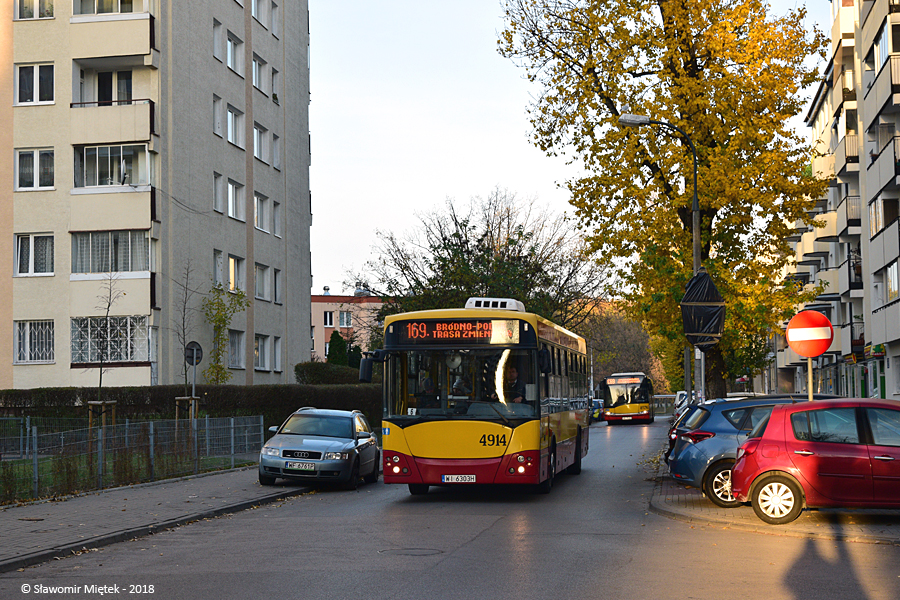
x=855, y=124
x=352, y=316
x=148, y=147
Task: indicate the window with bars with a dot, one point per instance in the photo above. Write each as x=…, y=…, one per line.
x=110, y=251
x=110, y=339
x=34, y=169
x=34, y=254
x=34, y=342
x=235, y=349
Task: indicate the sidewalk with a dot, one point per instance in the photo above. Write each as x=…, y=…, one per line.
x=672, y=499
x=39, y=531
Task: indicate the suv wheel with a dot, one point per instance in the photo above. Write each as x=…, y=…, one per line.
x=717, y=485
x=777, y=500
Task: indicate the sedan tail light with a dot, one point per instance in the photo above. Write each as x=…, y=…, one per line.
x=748, y=448
x=696, y=436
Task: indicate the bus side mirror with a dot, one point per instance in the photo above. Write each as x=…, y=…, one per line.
x=544, y=361
x=365, y=370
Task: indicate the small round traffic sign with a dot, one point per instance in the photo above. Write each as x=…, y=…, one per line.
x=809, y=333
x=193, y=353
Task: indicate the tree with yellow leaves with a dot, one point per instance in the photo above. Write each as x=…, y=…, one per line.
x=726, y=72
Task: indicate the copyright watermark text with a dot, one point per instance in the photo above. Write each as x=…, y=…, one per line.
x=87, y=589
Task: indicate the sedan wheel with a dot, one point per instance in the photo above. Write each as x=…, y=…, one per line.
x=718, y=486
x=777, y=500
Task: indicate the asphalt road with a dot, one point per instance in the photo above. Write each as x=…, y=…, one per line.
x=591, y=537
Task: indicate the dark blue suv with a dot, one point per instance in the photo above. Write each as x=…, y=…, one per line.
x=708, y=439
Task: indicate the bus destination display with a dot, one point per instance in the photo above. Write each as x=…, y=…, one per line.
x=468, y=331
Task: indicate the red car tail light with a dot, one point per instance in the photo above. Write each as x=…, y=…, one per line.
x=748, y=448
x=696, y=436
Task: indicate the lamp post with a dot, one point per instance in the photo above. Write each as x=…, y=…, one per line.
x=631, y=120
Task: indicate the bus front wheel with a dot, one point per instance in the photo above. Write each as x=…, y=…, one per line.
x=418, y=489
x=545, y=486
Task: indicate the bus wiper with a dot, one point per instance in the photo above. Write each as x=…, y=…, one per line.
x=494, y=407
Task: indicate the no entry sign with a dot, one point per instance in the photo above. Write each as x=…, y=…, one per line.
x=809, y=333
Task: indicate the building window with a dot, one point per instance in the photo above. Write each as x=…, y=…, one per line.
x=346, y=319
x=312, y=337
x=276, y=85
x=218, y=193
x=276, y=218
x=260, y=353
x=113, y=87
x=276, y=285
x=235, y=349
x=218, y=40
x=110, y=251
x=34, y=254
x=111, y=165
x=260, y=135
x=893, y=285
x=235, y=200
x=329, y=318
x=34, y=342
x=276, y=354
x=235, y=273
x=34, y=83
x=34, y=170
x=34, y=9
x=259, y=73
x=218, y=268
x=234, y=51
x=217, y=116
x=276, y=151
x=276, y=20
x=101, y=7
x=262, y=282
x=235, y=124
x=110, y=339
x=261, y=212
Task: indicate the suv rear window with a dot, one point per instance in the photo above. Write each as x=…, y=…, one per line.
x=697, y=418
x=735, y=416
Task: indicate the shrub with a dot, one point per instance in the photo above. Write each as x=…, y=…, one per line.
x=317, y=373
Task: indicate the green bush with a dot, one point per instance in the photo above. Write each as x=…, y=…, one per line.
x=319, y=373
x=274, y=402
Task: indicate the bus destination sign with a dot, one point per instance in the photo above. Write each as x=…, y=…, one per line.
x=457, y=331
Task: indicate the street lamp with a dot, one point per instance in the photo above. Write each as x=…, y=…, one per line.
x=631, y=120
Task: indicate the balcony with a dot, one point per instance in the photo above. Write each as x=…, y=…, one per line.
x=108, y=122
x=885, y=323
x=849, y=218
x=118, y=34
x=882, y=94
x=823, y=166
x=828, y=233
x=810, y=251
x=850, y=278
x=884, y=248
x=883, y=168
x=853, y=338
x=846, y=156
x=829, y=277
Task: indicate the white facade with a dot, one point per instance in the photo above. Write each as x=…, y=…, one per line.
x=152, y=145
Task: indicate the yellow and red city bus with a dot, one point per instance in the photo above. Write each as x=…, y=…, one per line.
x=456, y=414
x=627, y=397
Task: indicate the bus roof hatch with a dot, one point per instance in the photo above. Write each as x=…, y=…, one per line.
x=496, y=303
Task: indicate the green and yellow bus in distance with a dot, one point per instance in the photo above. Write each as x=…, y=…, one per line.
x=627, y=397
x=486, y=394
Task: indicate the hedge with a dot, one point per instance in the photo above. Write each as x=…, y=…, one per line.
x=274, y=402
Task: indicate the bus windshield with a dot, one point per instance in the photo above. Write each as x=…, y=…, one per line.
x=620, y=395
x=488, y=383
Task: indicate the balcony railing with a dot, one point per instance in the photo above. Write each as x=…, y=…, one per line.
x=122, y=103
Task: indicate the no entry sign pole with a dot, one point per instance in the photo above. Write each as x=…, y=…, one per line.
x=809, y=334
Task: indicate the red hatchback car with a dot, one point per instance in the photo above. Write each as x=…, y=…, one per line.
x=836, y=453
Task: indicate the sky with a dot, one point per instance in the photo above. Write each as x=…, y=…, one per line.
x=412, y=105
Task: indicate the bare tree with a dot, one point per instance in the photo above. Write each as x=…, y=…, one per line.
x=110, y=294
x=183, y=317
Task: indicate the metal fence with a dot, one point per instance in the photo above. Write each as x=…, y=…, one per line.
x=39, y=464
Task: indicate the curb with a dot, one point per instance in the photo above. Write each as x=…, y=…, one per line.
x=143, y=531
